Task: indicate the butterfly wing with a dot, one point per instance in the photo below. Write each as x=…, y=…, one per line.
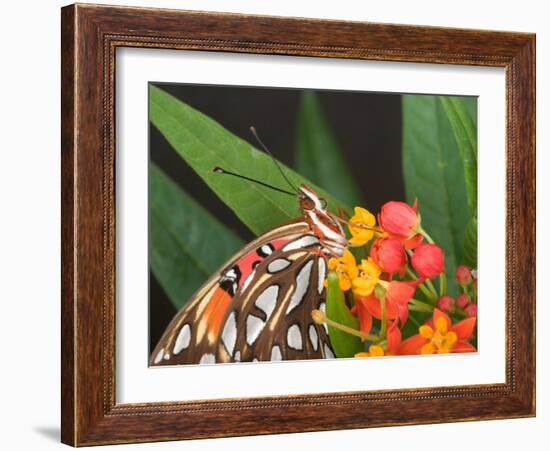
x=271, y=320
x=193, y=334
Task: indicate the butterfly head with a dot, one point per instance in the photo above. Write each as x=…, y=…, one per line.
x=323, y=223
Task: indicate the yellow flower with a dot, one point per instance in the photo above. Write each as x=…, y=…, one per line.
x=441, y=339
x=346, y=268
x=360, y=227
x=369, y=273
x=374, y=351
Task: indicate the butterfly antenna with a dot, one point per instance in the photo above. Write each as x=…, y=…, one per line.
x=219, y=170
x=264, y=147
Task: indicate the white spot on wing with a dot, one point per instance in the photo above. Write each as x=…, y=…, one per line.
x=276, y=353
x=278, y=265
x=159, y=356
x=254, y=326
x=294, y=337
x=322, y=266
x=302, y=284
x=328, y=352
x=305, y=241
x=267, y=300
x=313, y=337
x=183, y=339
x=207, y=358
x=229, y=334
x=231, y=274
x=237, y=357
x=266, y=249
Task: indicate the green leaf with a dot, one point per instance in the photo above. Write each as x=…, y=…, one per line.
x=471, y=106
x=470, y=244
x=434, y=174
x=318, y=155
x=187, y=244
x=465, y=132
x=204, y=144
x=344, y=344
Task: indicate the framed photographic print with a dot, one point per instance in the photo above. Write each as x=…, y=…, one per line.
x=278, y=225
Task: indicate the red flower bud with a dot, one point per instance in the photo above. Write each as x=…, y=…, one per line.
x=463, y=300
x=471, y=310
x=389, y=254
x=399, y=219
x=428, y=260
x=463, y=275
x=446, y=303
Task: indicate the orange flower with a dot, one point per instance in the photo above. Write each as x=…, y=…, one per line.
x=393, y=338
x=399, y=294
x=397, y=298
x=443, y=338
x=363, y=313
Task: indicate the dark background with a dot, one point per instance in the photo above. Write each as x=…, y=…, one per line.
x=366, y=126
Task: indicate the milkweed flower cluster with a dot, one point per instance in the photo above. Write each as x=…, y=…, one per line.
x=394, y=268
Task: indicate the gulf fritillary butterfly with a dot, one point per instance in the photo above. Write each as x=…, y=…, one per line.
x=257, y=307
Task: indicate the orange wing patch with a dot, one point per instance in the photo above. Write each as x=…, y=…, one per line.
x=214, y=315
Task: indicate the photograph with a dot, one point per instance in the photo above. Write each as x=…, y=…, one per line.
x=248, y=225
x=297, y=224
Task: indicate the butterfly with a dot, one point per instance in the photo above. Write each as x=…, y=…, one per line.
x=258, y=306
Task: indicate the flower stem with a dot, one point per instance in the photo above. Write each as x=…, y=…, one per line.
x=413, y=320
x=414, y=308
x=442, y=283
x=320, y=318
x=432, y=288
x=425, y=234
x=422, y=286
x=420, y=306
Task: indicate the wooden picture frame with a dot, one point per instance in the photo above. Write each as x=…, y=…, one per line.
x=90, y=36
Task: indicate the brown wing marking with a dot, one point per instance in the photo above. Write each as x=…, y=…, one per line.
x=273, y=316
x=296, y=335
x=300, y=337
